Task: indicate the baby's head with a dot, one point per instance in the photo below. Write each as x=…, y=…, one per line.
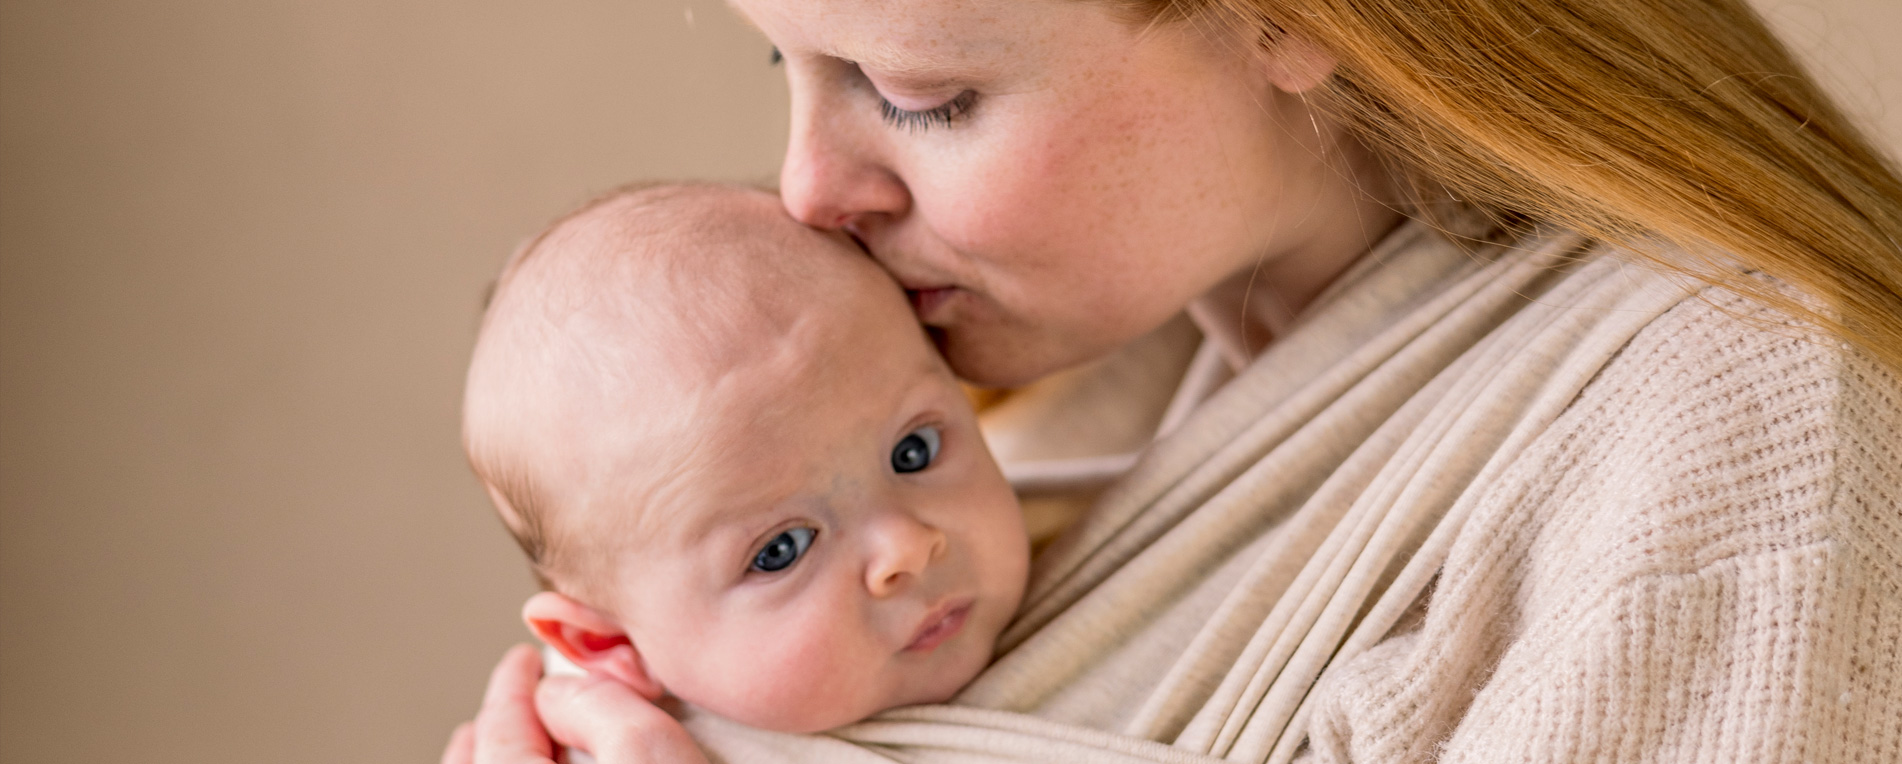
x=738, y=465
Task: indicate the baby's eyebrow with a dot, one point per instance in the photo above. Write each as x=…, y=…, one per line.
x=694, y=530
x=691, y=528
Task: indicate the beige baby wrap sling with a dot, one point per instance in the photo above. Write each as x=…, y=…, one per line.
x=1286, y=526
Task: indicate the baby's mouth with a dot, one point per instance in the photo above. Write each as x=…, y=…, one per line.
x=940, y=625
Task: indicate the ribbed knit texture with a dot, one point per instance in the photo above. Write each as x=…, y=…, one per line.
x=1700, y=562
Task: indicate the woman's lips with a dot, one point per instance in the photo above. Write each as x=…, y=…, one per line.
x=942, y=624
x=929, y=302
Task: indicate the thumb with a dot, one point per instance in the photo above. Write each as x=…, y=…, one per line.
x=609, y=720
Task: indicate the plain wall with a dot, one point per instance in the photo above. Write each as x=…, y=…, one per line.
x=242, y=247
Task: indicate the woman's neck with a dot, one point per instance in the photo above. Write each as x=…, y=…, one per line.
x=1248, y=311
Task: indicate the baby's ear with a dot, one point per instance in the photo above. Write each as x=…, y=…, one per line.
x=591, y=639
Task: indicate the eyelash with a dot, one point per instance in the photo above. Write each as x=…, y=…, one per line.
x=942, y=116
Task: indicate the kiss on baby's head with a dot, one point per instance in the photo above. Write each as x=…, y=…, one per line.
x=736, y=462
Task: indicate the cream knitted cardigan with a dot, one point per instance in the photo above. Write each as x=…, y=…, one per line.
x=1532, y=505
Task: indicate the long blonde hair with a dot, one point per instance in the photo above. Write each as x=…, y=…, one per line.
x=1637, y=122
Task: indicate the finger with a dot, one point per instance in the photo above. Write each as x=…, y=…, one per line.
x=507, y=730
x=514, y=675
x=461, y=748
x=610, y=720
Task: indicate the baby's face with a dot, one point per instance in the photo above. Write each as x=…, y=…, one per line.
x=826, y=535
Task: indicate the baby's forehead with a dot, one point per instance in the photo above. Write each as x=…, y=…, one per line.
x=662, y=302
x=696, y=242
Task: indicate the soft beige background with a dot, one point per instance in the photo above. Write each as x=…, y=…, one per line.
x=242, y=244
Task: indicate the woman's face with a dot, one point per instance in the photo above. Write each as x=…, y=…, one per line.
x=1045, y=178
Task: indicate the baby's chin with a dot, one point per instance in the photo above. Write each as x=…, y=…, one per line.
x=814, y=714
x=804, y=718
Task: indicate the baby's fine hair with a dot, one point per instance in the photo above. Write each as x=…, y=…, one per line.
x=675, y=259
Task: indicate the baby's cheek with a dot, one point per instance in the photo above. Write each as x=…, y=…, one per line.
x=803, y=676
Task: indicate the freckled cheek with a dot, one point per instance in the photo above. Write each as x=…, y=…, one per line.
x=1085, y=176
x=1032, y=157
x=999, y=213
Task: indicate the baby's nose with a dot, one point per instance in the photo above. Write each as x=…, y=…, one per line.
x=902, y=548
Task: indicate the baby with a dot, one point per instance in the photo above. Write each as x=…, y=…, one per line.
x=743, y=474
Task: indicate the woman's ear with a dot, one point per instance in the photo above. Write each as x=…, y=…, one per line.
x=591, y=640
x=1295, y=65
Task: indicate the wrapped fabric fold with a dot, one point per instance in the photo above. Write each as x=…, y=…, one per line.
x=1289, y=524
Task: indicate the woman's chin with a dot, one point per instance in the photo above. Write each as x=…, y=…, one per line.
x=1006, y=359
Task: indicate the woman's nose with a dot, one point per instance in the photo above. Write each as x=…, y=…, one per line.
x=902, y=548
x=833, y=175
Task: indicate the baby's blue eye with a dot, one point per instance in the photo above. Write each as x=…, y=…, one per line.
x=783, y=550
x=915, y=451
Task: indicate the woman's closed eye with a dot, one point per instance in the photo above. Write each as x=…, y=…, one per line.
x=942, y=115
x=783, y=550
x=916, y=450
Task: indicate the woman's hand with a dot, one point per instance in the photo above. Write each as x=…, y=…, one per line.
x=596, y=715
x=506, y=730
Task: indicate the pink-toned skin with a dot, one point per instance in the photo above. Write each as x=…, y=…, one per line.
x=1106, y=177
x=908, y=577
x=802, y=437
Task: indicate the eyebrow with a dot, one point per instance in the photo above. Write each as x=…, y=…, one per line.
x=704, y=524
x=710, y=521
x=981, y=58
x=901, y=62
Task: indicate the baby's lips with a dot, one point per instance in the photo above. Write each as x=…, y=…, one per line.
x=941, y=624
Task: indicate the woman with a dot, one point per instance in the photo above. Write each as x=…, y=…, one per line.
x=1479, y=492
